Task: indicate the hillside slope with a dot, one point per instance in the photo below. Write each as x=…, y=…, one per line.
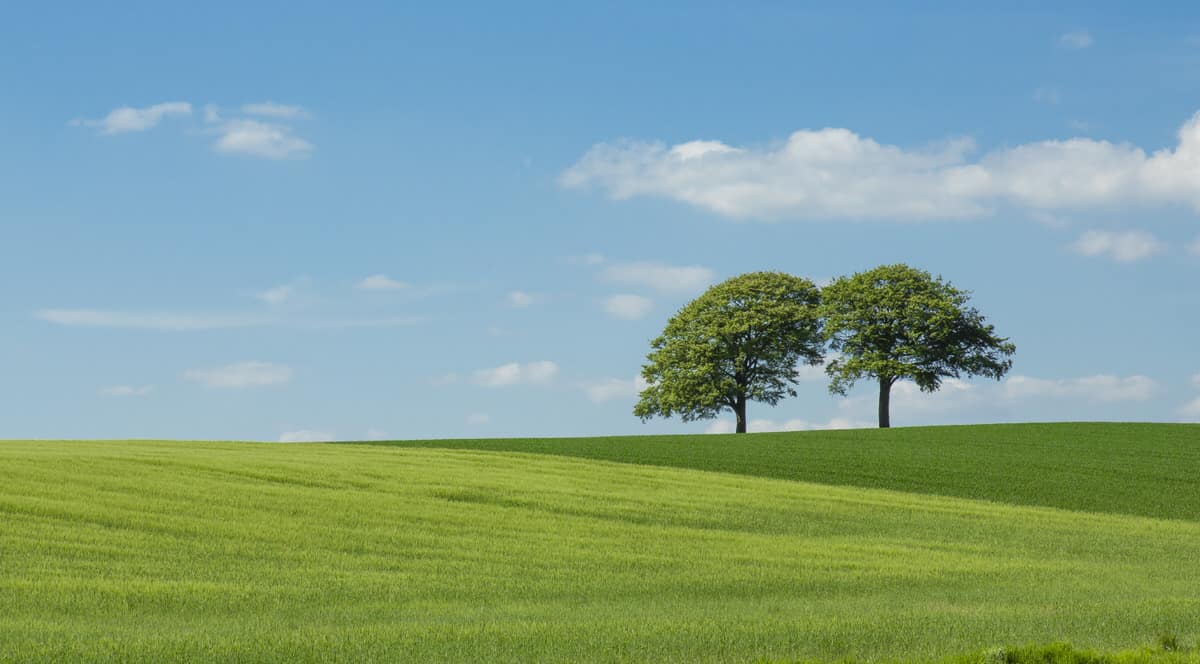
x=1142, y=469
x=243, y=552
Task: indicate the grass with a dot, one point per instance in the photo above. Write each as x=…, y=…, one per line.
x=1065, y=653
x=1142, y=469
x=162, y=551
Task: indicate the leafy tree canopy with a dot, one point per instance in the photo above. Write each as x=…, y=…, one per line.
x=740, y=341
x=896, y=322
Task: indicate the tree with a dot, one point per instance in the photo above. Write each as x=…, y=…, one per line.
x=740, y=341
x=896, y=322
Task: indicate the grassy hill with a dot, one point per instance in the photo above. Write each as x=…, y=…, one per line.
x=1143, y=469
x=485, y=551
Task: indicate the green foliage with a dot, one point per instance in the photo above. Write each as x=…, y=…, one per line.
x=151, y=551
x=895, y=322
x=740, y=341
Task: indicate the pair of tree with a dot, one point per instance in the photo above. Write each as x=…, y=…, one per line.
x=742, y=340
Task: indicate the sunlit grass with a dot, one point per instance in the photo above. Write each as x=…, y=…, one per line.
x=1144, y=469
x=226, y=551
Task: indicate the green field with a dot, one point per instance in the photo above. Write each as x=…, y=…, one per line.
x=1142, y=469
x=900, y=545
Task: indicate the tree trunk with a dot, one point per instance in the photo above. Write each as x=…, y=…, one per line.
x=885, y=402
x=740, y=411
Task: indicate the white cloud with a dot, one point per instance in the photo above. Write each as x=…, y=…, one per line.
x=1120, y=246
x=212, y=114
x=834, y=173
x=151, y=320
x=1191, y=408
x=660, y=276
x=513, y=373
x=1077, y=39
x=1100, y=387
x=955, y=394
x=377, y=434
x=306, y=436
x=765, y=425
x=808, y=373
x=629, y=307
x=1053, y=221
x=478, y=418
x=602, y=391
x=126, y=391
x=721, y=426
x=273, y=110
x=240, y=375
x=521, y=299
x=126, y=119
x=381, y=282
x=1194, y=247
x=276, y=295
x=838, y=423
x=260, y=139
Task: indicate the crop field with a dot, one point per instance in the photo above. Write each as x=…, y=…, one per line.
x=933, y=544
x=1143, y=469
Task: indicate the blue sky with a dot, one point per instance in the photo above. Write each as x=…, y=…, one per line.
x=293, y=222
